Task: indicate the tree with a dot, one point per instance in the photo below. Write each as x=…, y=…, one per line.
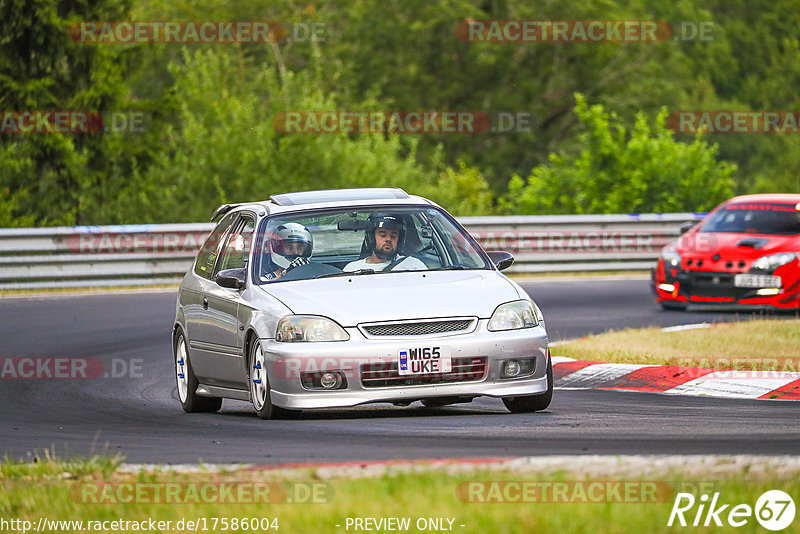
x=225, y=146
x=619, y=171
x=63, y=178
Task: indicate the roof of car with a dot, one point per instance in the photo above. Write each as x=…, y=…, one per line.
x=329, y=198
x=771, y=197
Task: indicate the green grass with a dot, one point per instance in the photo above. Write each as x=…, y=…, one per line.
x=52, y=489
x=750, y=345
x=48, y=468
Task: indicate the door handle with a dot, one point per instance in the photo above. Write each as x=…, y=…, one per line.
x=205, y=303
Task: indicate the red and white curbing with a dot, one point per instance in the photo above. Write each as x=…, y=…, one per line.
x=569, y=373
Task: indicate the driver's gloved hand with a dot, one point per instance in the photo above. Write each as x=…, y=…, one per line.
x=297, y=262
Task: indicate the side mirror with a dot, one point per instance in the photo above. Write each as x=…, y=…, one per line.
x=501, y=259
x=231, y=278
x=688, y=225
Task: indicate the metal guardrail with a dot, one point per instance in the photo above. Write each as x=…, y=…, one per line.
x=131, y=255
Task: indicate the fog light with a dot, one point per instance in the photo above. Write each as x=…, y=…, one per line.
x=768, y=291
x=518, y=368
x=669, y=288
x=327, y=380
x=330, y=380
x=511, y=368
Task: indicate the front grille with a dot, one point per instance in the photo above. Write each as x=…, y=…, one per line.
x=418, y=328
x=381, y=375
x=708, y=284
x=716, y=285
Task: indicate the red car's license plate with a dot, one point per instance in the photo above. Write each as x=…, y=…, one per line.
x=756, y=280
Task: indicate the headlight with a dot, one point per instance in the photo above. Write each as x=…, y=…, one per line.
x=670, y=257
x=309, y=328
x=515, y=315
x=773, y=261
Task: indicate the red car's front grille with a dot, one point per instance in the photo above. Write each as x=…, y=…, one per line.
x=712, y=284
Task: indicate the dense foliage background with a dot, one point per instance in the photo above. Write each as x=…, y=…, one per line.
x=598, y=142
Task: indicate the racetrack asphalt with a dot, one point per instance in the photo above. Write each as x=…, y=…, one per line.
x=139, y=417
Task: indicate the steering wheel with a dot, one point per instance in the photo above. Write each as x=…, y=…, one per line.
x=310, y=270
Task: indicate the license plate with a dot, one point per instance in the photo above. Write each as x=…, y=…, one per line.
x=424, y=360
x=756, y=280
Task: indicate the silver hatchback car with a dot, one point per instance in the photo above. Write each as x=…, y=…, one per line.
x=338, y=298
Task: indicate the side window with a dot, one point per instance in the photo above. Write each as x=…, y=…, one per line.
x=237, y=246
x=204, y=266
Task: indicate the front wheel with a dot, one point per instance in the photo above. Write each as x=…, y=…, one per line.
x=259, y=387
x=191, y=402
x=532, y=403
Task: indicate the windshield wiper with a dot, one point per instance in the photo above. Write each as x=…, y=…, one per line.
x=347, y=273
x=450, y=268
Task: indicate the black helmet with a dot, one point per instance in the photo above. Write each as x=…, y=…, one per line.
x=384, y=220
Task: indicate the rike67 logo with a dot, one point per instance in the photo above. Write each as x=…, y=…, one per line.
x=774, y=510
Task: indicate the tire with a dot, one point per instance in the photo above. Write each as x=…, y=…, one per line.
x=532, y=403
x=186, y=382
x=259, y=387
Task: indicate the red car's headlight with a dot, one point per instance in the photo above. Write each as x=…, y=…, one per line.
x=773, y=261
x=671, y=257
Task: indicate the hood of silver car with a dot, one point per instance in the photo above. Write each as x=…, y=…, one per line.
x=351, y=300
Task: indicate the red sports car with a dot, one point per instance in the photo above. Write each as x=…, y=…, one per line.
x=746, y=251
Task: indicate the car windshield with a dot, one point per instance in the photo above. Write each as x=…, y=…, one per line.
x=351, y=242
x=755, y=218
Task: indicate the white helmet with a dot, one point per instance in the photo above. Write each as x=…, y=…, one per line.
x=290, y=233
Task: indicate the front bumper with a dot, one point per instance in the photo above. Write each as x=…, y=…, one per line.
x=718, y=288
x=288, y=360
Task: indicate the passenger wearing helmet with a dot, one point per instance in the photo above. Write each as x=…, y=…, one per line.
x=291, y=245
x=382, y=239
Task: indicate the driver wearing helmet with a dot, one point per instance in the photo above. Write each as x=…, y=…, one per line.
x=382, y=239
x=291, y=246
